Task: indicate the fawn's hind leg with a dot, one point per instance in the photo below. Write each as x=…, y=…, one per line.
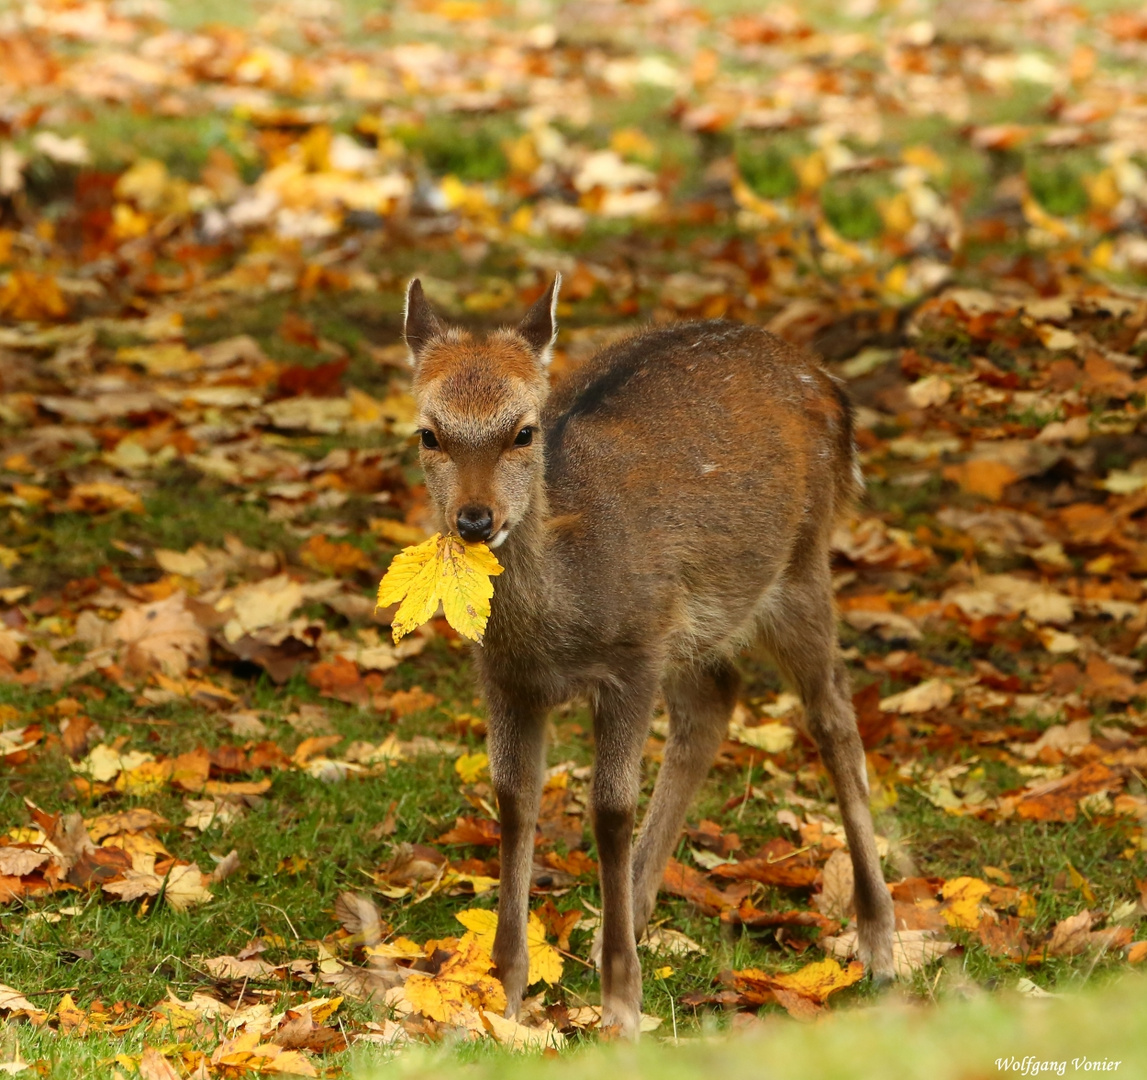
x=700, y=701
x=799, y=630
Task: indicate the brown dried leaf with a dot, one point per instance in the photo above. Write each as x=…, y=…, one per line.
x=18, y=861
x=1071, y=936
x=835, y=900
x=154, y=1066
x=360, y=917
x=162, y=636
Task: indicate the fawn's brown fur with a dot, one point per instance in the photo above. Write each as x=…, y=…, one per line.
x=669, y=503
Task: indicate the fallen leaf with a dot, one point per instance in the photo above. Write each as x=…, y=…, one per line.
x=682, y=880
x=982, y=477
x=154, y=1066
x=962, y=898
x=18, y=862
x=471, y=830
x=13, y=1001
x=232, y=967
x=545, y=960
x=926, y=696
x=1071, y=936
x=360, y=917
x=783, y=869
x=1058, y=800
x=459, y=989
x=100, y=496
x=517, y=1037
x=819, y=980
x=911, y=949
x=1004, y=937
x=471, y=766
x=334, y=557
x=182, y=886
x=835, y=900
x=163, y=636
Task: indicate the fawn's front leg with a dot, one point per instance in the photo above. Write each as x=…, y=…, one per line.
x=516, y=742
x=621, y=722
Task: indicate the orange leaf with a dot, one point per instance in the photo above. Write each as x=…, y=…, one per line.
x=472, y=830
x=982, y=477
x=1059, y=799
x=31, y=297
x=338, y=558
x=682, y=880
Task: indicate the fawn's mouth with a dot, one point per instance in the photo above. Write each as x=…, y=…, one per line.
x=497, y=539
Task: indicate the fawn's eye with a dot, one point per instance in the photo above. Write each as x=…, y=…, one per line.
x=524, y=437
x=429, y=439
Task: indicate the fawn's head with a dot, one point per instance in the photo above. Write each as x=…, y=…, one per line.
x=479, y=409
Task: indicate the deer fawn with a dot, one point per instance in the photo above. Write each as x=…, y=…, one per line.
x=668, y=504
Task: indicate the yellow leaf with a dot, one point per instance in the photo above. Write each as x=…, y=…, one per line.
x=164, y=358
x=962, y=896
x=470, y=766
x=482, y=923
x=441, y=569
x=518, y=1037
x=274, y=1059
x=100, y=496
x=69, y=1014
x=321, y=1009
x=401, y=948
x=820, y=979
x=1081, y=883
x=397, y=532
x=663, y=972
x=461, y=987
x=545, y=960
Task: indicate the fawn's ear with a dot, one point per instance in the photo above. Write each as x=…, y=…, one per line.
x=420, y=325
x=540, y=326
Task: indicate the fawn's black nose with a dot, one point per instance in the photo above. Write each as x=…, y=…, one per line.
x=475, y=523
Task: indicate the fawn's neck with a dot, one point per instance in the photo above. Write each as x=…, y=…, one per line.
x=527, y=595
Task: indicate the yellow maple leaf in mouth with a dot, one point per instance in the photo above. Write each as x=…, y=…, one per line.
x=442, y=570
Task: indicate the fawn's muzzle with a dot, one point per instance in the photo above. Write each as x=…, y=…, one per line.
x=475, y=523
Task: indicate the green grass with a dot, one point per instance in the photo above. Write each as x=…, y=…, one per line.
x=329, y=826
x=1056, y=180
x=961, y=1039
x=469, y=149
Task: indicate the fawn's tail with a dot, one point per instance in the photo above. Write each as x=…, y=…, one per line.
x=850, y=478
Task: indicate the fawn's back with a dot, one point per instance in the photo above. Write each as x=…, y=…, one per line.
x=686, y=468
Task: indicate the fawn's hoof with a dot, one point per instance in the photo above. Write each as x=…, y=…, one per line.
x=874, y=947
x=882, y=982
x=620, y=1021
x=514, y=986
